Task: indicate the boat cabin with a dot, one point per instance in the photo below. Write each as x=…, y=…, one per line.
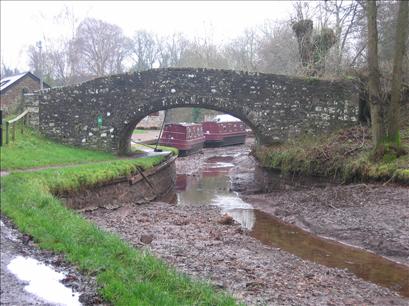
x=187, y=137
x=224, y=130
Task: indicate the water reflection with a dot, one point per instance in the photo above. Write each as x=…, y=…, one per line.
x=364, y=264
x=239, y=210
x=212, y=186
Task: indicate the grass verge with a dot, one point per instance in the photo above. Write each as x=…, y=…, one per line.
x=32, y=150
x=125, y=275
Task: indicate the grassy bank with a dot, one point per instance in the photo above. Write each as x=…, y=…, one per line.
x=126, y=276
x=343, y=155
x=32, y=150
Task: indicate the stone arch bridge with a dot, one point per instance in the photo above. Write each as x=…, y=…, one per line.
x=102, y=113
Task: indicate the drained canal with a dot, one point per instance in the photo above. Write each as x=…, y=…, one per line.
x=212, y=185
x=261, y=259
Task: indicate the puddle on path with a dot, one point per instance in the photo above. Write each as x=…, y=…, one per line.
x=212, y=185
x=43, y=281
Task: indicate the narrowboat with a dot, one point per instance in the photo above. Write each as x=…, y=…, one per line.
x=224, y=130
x=187, y=137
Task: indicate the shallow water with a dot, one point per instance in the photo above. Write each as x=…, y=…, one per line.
x=212, y=185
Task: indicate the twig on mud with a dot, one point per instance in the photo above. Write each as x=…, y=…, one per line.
x=358, y=185
x=336, y=208
x=359, y=147
x=388, y=181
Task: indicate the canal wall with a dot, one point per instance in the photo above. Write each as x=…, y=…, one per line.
x=153, y=184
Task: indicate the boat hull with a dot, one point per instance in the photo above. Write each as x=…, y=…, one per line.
x=226, y=141
x=194, y=149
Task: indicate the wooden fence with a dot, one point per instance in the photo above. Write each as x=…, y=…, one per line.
x=11, y=124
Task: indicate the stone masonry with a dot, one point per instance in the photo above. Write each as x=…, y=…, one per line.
x=276, y=107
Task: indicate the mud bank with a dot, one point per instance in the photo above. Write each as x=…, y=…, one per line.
x=373, y=217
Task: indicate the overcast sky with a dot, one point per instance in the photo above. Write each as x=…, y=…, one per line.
x=25, y=22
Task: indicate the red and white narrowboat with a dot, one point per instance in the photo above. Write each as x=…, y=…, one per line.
x=187, y=137
x=224, y=130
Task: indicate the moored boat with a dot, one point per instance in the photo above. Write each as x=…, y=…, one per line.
x=187, y=137
x=224, y=130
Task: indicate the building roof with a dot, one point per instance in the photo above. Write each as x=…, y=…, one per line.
x=7, y=82
x=226, y=118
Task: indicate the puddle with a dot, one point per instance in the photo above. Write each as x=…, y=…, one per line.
x=220, y=159
x=212, y=185
x=43, y=281
x=216, y=165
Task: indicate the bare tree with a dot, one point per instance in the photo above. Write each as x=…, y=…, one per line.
x=40, y=62
x=102, y=47
x=171, y=50
x=203, y=53
x=7, y=71
x=345, y=17
x=277, y=49
x=144, y=50
x=242, y=52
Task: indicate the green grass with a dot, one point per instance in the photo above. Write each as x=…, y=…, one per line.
x=138, y=131
x=125, y=275
x=82, y=177
x=32, y=150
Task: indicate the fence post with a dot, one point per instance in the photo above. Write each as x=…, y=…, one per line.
x=1, y=128
x=7, y=132
x=13, y=134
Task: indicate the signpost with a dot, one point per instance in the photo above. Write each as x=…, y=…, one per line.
x=99, y=121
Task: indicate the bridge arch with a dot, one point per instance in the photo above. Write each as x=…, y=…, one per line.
x=186, y=101
x=102, y=113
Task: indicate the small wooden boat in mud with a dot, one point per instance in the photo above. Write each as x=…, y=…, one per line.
x=224, y=130
x=187, y=137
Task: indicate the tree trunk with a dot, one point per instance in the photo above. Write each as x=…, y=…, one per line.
x=400, y=42
x=374, y=84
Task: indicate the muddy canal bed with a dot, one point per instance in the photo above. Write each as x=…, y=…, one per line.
x=195, y=236
x=193, y=240
x=373, y=217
